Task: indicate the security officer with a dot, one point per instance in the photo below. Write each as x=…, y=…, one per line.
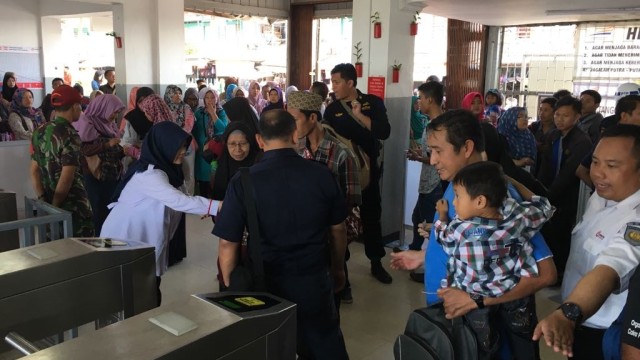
x=363, y=119
x=298, y=203
x=605, y=250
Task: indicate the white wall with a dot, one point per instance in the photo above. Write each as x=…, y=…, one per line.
x=20, y=23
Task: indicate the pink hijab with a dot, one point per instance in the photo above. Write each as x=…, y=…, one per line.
x=156, y=109
x=132, y=98
x=94, y=121
x=257, y=101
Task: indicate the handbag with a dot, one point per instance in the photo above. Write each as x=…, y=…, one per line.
x=248, y=275
x=94, y=165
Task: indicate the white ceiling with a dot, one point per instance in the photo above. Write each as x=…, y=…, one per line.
x=487, y=12
x=520, y=12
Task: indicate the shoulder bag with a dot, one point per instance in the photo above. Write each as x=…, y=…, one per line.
x=248, y=275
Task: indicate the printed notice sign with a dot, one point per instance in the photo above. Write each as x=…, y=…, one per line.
x=610, y=51
x=376, y=86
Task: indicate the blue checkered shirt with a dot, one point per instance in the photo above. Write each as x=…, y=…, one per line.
x=488, y=256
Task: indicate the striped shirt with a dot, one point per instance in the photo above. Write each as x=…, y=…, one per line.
x=488, y=256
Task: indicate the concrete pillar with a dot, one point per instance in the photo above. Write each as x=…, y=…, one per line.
x=152, y=52
x=52, y=51
x=379, y=55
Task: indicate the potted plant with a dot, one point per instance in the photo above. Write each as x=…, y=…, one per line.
x=396, y=71
x=117, y=39
x=377, y=25
x=413, y=27
x=358, y=55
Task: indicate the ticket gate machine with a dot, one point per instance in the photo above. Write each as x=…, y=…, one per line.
x=55, y=286
x=228, y=326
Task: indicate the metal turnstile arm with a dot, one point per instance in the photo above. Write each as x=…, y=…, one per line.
x=20, y=343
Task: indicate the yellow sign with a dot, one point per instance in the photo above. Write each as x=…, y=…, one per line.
x=249, y=301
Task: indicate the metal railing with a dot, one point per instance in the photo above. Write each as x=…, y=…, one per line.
x=40, y=215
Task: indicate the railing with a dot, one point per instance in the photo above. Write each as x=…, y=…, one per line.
x=40, y=215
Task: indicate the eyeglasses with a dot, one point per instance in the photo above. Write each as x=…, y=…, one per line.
x=240, y=145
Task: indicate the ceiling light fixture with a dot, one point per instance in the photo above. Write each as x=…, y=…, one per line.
x=601, y=11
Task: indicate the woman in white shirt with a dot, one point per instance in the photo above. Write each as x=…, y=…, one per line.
x=149, y=203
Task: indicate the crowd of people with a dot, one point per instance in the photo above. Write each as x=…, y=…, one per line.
x=497, y=196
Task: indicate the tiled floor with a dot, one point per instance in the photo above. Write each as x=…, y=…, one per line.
x=370, y=325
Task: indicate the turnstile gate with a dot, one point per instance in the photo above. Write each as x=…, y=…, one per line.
x=229, y=326
x=48, y=288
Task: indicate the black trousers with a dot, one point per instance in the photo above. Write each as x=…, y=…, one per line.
x=178, y=244
x=319, y=335
x=587, y=343
x=370, y=212
x=99, y=193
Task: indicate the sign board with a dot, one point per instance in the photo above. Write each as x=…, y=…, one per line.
x=609, y=51
x=376, y=86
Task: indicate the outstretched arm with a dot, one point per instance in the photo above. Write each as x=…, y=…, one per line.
x=589, y=294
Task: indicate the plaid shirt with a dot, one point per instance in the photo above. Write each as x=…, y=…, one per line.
x=340, y=161
x=487, y=256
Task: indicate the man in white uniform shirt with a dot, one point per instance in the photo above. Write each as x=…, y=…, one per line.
x=605, y=250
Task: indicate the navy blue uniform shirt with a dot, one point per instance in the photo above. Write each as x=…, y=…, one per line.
x=373, y=107
x=297, y=201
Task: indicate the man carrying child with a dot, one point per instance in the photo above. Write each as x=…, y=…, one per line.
x=456, y=140
x=488, y=244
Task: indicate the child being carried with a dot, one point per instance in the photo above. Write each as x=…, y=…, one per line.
x=488, y=241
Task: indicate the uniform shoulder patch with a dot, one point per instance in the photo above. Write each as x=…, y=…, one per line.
x=632, y=233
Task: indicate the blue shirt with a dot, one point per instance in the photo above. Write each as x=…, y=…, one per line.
x=435, y=259
x=297, y=201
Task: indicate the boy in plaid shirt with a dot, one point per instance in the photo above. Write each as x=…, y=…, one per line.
x=488, y=241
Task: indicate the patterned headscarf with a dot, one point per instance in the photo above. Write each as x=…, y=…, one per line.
x=16, y=104
x=522, y=143
x=177, y=109
x=94, y=122
x=156, y=109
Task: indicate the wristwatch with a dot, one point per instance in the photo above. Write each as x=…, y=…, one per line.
x=572, y=312
x=478, y=299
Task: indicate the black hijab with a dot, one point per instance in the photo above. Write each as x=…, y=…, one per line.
x=239, y=109
x=159, y=148
x=136, y=117
x=7, y=92
x=227, y=166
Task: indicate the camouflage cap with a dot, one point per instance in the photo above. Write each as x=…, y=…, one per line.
x=303, y=100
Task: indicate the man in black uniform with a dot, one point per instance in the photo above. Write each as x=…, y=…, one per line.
x=298, y=203
x=363, y=119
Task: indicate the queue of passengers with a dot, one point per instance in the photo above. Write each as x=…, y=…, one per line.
x=131, y=171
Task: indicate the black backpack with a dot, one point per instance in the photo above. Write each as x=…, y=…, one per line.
x=429, y=335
